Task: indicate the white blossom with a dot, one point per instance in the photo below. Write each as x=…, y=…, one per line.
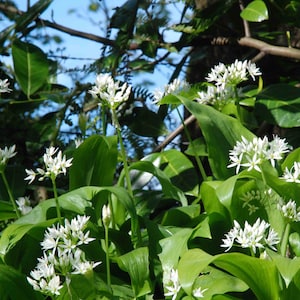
x=293, y=174
x=54, y=165
x=251, y=154
x=106, y=215
x=110, y=92
x=290, y=211
x=4, y=86
x=61, y=255
x=198, y=292
x=172, y=284
x=259, y=235
x=24, y=205
x=175, y=87
x=6, y=154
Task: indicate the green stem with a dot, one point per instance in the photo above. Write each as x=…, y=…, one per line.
x=285, y=239
x=136, y=233
x=107, y=257
x=198, y=160
x=103, y=120
x=237, y=103
x=56, y=200
x=123, y=152
x=10, y=195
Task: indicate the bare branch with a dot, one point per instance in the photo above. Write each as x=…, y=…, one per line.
x=269, y=49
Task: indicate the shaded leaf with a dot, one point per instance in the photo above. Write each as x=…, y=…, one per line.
x=31, y=66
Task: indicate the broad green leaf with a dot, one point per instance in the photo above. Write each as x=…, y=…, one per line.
x=191, y=264
x=94, y=162
x=6, y=211
x=287, y=267
x=136, y=263
x=31, y=66
x=255, y=11
x=173, y=247
x=177, y=167
x=260, y=275
x=145, y=122
x=168, y=188
x=294, y=240
x=14, y=286
x=221, y=133
x=280, y=105
x=292, y=157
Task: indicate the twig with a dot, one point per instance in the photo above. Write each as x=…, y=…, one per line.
x=245, y=22
x=174, y=133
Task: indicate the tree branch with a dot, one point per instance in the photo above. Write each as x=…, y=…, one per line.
x=269, y=49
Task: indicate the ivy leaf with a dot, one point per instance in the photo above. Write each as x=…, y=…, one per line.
x=255, y=11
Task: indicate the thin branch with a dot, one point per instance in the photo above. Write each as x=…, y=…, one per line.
x=245, y=22
x=174, y=133
x=269, y=49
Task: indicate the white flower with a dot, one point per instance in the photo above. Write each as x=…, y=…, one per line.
x=54, y=165
x=252, y=154
x=290, y=211
x=24, y=205
x=175, y=87
x=198, y=292
x=84, y=267
x=4, y=86
x=6, y=154
x=232, y=74
x=292, y=175
x=172, y=284
x=257, y=236
x=78, y=142
x=111, y=93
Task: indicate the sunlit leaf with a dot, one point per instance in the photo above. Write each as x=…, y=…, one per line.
x=255, y=11
x=31, y=66
x=136, y=263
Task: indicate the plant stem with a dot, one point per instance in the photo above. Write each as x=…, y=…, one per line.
x=198, y=160
x=10, y=195
x=103, y=120
x=56, y=200
x=107, y=257
x=285, y=239
x=123, y=152
x=237, y=103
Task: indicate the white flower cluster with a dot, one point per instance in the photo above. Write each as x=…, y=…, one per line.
x=225, y=79
x=62, y=256
x=175, y=87
x=6, y=154
x=257, y=236
x=24, y=205
x=292, y=175
x=55, y=165
x=172, y=284
x=111, y=93
x=4, y=86
x=251, y=154
x=290, y=211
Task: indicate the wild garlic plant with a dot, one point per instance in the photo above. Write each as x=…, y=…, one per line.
x=62, y=257
x=55, y=164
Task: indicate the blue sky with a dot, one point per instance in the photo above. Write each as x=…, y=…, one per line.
x=84, y=20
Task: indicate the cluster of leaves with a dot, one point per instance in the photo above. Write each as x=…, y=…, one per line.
x=179, y=224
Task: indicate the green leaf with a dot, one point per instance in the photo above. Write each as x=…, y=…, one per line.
x=280, y=105
x=168, y=188
x=255, y=11
x=145, y=122
x=287, y=267
x=136, y=263
x=177, y=167
x=6, y=211
x=14, y=286
x=31, y=66
x=220, y=132
x=260, y=275
x=94, y=162
x=294, y=240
